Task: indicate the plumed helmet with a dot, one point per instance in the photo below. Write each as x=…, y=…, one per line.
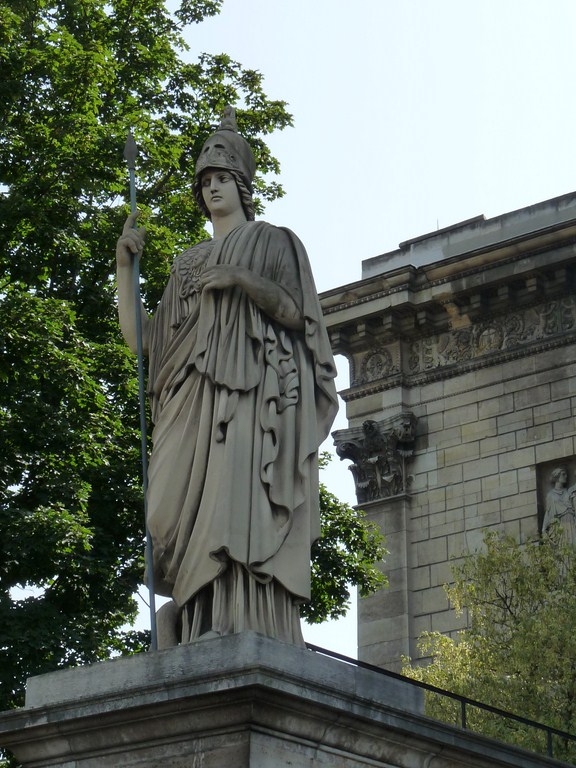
x=227, y=149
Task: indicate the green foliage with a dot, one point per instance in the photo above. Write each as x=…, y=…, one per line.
x=347, y=553
x=518, y=652
x=76, y=75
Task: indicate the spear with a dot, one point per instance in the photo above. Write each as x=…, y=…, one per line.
x=130, y=155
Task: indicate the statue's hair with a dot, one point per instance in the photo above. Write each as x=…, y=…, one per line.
x=555, y=474
x=245, y=196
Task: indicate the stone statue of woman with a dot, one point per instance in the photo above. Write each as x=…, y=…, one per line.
x=560, y=505
x=242, y=394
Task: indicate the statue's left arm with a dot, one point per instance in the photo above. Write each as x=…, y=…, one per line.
x=269, y=296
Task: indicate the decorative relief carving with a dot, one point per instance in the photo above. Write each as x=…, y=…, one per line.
x=378, y=451
x=376, y=364
x=556, y=481
x=560, y=507
x=494, y=335
x=559, y=316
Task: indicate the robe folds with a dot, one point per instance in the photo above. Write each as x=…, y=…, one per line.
x=560, y=507
x=240, y=405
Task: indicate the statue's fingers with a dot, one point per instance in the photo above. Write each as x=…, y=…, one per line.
x=129, y=244
x=130, y=222
x=135, y=239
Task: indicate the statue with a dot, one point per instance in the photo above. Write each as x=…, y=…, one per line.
x=241, y=382
x=560, y=505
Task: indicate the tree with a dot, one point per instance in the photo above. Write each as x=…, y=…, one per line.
x=518, y=652
x=76, y=74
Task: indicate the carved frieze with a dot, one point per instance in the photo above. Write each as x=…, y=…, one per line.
x=498, y=334
x=467, y=344
x=379, y=451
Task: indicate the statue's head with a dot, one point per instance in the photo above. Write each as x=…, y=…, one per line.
x=559, y=474
x=227, y=150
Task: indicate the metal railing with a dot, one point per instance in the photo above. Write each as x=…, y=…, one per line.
x=463, y=701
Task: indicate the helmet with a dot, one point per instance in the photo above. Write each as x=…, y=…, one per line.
x=227, y=149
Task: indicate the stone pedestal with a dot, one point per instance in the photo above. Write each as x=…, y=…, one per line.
x=234, y=702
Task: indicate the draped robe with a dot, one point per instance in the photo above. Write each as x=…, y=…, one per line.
x=560, y=506
x=240, y=406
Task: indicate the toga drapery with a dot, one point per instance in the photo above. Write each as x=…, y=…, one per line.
x=240, y=406
x=560, y=507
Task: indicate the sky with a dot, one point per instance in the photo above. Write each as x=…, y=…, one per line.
x=409, y=116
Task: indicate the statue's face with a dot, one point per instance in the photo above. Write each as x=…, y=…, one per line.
x=220, y=192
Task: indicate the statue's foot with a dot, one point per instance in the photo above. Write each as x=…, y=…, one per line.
x=210, y=635
x=168, y=625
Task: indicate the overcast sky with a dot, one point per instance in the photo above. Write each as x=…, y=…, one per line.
x=409, y=115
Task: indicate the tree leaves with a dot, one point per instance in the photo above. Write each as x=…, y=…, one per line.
x=518, y=652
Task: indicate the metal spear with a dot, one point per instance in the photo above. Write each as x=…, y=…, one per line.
x=130, y=154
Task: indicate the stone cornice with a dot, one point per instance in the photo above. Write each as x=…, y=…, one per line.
x=490, y=292
x=465, y=269
x=459, y=272
x=406, y=307
x=470, y=290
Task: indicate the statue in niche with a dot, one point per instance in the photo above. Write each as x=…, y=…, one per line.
x=378, y=459
x=560, y=505
x=242, y=394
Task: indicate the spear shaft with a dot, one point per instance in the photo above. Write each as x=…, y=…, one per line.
x=130, y=154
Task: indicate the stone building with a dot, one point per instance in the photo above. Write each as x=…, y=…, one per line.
x=462, y=354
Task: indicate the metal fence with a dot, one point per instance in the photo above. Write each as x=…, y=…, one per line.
x=464, y=706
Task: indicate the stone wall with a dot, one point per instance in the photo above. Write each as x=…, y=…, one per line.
x=483, y=436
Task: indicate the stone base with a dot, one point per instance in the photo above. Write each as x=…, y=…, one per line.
x=235, y=702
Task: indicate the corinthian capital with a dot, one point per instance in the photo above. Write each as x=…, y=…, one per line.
x=378, y=451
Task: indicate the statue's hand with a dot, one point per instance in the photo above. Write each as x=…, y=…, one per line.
x=223, y=276
x=130, y=242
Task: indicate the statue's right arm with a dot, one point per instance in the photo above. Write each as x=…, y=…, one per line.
x=130, y=243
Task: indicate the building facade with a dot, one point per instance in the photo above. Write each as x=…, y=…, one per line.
x=462, y=353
